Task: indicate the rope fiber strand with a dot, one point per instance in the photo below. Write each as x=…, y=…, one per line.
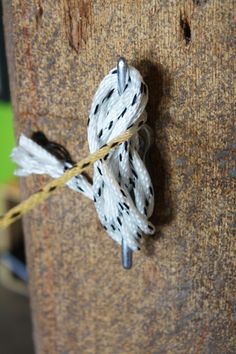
x=122, y=190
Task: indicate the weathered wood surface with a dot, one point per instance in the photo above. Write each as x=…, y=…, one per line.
x=178, y=298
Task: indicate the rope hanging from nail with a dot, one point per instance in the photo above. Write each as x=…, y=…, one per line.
x=121, y=189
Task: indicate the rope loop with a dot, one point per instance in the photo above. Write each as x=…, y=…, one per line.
x=118, y=139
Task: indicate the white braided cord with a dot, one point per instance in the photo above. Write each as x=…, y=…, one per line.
x=121, y=189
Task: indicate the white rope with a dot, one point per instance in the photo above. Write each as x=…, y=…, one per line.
x=122, y=189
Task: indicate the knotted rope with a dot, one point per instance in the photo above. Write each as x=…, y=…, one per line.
x=121, y=189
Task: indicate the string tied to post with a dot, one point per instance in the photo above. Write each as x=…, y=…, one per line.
x=121, y=189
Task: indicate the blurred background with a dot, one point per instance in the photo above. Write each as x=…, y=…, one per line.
x=15, y=322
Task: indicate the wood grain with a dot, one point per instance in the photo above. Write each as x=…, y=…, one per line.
x=178, y=297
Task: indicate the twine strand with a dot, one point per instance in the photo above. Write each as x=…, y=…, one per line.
x=30, y=203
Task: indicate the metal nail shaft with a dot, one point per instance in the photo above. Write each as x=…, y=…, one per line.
x=126, y=255
x=122, y=68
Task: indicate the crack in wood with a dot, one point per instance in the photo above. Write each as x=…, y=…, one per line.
x=78, y=16
x=185, y=27
x=39, y=14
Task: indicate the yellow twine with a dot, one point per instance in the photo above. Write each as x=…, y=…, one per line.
x=15, y=213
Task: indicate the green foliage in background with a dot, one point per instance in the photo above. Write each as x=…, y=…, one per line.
x=7, y=142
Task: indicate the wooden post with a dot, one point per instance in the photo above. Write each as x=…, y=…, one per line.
x=178, y=297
